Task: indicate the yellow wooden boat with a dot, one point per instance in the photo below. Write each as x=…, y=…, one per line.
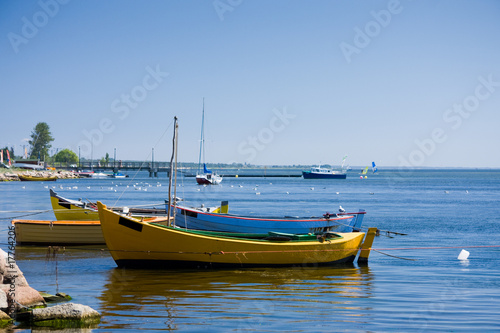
x=78, y=210
x=58, y=232
x=45, y=232
x=74, y=210
x=35, y=178
x=135, y=242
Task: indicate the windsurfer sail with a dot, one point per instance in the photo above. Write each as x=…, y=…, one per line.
x=342, y=164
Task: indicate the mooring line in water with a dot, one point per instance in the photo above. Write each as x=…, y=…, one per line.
x=31, y=212
x=389, y=255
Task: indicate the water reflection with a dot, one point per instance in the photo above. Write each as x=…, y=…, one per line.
x=244, y=299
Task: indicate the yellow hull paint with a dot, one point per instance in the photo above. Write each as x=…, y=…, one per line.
x=71, y=212
x=134, y=242
x=37, y=179
x=58, y=232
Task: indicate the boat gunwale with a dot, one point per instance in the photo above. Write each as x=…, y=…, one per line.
x=92, y=206
x=55, y=222
x=261, y=237
x=217, y=234
x=275, y=219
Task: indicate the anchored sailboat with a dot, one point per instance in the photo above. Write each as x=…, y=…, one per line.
x=205, y=176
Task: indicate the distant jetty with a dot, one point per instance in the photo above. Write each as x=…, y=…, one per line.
x=252, y=175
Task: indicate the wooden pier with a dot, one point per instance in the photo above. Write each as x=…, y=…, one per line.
x=164, y=167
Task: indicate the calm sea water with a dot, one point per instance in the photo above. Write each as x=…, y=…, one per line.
x=421, y=286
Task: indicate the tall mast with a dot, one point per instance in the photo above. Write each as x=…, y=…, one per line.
x=202, y=139
x=92, y=154
x=174, y=140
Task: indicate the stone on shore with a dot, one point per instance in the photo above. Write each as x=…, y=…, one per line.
x=4, y=305
x=59, y=297
x=19, y=300
x=82, y=315
x=15, y=287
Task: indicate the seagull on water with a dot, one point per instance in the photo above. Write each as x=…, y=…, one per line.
x=342, y=210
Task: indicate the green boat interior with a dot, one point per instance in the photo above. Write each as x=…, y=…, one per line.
x=270, y=236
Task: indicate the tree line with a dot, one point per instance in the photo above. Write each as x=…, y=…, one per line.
x=39, y=146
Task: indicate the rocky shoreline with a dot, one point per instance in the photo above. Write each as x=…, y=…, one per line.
x=13, y=174
x=22, y=304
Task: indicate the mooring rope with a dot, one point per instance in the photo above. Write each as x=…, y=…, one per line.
x=30, y=213
x=390, y=255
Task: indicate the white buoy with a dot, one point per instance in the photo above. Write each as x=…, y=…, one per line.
x=463, y=255
x=125, y=210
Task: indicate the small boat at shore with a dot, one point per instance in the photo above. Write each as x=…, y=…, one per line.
x=46, y=232
x=78, y=210
x=57, y=232
x=133, y=242
x=37, y=178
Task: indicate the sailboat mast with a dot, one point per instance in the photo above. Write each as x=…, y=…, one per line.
x=175, y=166
x=202, y=139
x=92, y=155
x=174, y=139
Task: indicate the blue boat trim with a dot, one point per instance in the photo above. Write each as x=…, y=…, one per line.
x=193, y=218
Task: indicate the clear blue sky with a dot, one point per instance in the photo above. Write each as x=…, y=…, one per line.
x=285, y=82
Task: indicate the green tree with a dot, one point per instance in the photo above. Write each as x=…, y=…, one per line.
x=40, y=141
x=66, y=156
